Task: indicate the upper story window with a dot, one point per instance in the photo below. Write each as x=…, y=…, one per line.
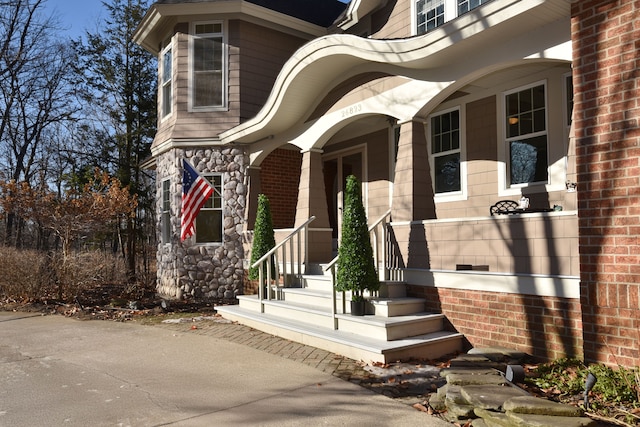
x=430, y=14
x=208, y=66
x=166, y=78
x=445, y=150
x=209, y=220
x=165, y=219
x=525, y=119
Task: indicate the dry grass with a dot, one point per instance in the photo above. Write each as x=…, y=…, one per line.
x=27, y=275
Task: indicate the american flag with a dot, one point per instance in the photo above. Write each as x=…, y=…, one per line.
x=195, y=192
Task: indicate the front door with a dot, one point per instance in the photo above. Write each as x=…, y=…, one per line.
x=336, y=170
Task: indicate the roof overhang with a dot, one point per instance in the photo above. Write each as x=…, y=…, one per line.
x=356, y=10
x=159, y=20
x=498, y=32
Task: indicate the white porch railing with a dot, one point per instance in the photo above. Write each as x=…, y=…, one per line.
x=286, y=258
x=378, y=233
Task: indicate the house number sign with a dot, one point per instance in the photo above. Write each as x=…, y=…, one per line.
x=350, y=111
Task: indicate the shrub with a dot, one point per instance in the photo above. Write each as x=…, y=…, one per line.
x=27, y=275
x=263, y=237
x=356, y=269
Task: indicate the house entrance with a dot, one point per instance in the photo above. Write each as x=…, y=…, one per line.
x=336, y=170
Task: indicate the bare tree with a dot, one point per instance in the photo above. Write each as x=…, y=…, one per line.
x=121, y=79
x=36, y=90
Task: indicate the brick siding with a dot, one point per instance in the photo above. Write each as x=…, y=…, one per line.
x=607, y=130
x=545, y=327
x=280, y=177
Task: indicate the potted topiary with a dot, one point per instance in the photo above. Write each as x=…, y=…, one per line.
x=356, y=269
x=263, y=239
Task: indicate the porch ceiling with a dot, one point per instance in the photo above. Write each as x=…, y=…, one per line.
x=495, y=35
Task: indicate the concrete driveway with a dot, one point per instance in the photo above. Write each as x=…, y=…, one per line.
x=56, y=371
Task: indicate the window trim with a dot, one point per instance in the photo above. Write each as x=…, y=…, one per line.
x=450, y=195
x=451, y=8
x=165, y=212
x=163, y=83
x=204, y=208
x=225, y=66
x=505, y=188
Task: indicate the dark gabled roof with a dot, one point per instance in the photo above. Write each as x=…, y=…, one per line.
x=318, y=12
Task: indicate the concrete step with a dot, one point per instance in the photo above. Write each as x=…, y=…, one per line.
x=379, y=327
x=392, y=307
x=348, y=344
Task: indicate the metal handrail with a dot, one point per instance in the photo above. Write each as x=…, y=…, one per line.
x=332, y=264
x=289, y=268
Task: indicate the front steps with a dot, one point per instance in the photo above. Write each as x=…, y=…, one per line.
x=395, y=328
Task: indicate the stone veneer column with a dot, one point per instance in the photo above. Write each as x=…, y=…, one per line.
x=190, y=270
x=312, y=201
x=606, y=120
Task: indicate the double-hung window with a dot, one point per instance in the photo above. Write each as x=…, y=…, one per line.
x=430, y=14
x=208, y=75
x=209, y=220
x=526, y=135
x=165, y=219
x=445, y=150
x=166, y=78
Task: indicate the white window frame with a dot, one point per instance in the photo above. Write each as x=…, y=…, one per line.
x=214, y=203
x=450, y=195
x=504, y=177
x=165, y=212
x=166, y=108
x=225, y=65
x=450, y=12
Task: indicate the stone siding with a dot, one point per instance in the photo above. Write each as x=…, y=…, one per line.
x=187, y=269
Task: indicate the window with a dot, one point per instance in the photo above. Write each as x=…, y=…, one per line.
x=431, y=14
x=445, y=148
x=208, y=66
x=526, y=132
x=465, y=6
x=165, y=219
x=209, y=219
x=165, y=81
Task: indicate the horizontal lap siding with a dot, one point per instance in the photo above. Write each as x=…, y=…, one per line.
x=262, y=54
x=535, y=244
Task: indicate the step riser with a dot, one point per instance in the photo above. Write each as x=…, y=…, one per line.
x=315, y=300
x=390, y=333
x=299, y=316
x=319, y=284
x=398, y=310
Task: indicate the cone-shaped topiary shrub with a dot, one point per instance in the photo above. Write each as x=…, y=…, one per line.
x=356, y=269
x=263, y=237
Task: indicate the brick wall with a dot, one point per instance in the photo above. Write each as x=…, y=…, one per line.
x=280, y=177
x=545, y=327
x=607, y=120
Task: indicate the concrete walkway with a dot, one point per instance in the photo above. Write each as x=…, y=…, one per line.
x=56, y=371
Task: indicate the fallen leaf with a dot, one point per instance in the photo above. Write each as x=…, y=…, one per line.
x=420, y=407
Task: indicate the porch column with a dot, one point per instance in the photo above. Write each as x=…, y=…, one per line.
x=312, y=201
x=254, y=188
x=412, y=196
x=412, y=189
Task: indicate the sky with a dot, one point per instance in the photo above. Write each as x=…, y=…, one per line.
x=77, y=16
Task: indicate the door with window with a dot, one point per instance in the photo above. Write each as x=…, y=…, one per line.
x=336, y=170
